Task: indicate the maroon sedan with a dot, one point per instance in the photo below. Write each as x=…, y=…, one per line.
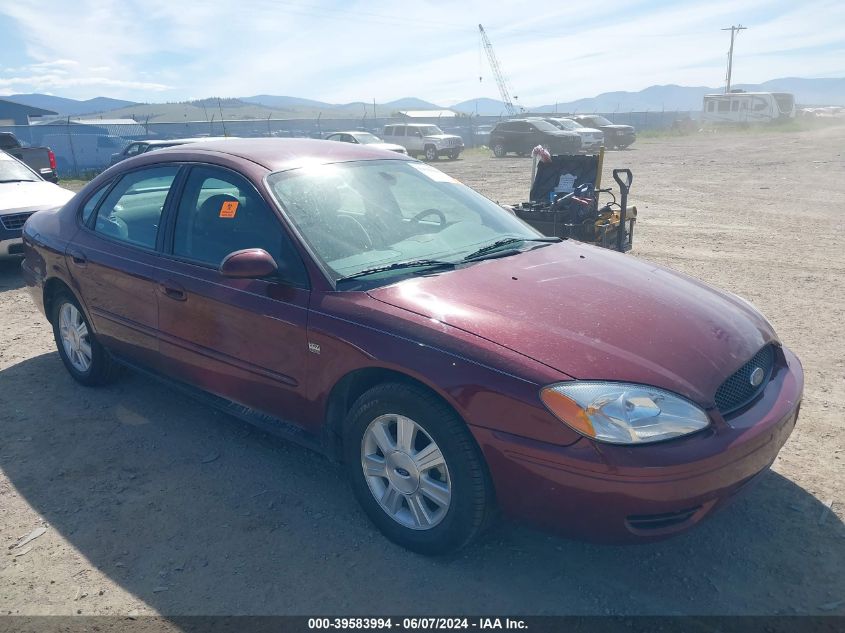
x=457, y=361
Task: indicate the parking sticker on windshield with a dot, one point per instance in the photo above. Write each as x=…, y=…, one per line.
x=228, y=209
x=434, y=173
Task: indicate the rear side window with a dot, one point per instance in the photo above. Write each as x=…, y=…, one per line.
x=399, y=130
x=131, y=212
x=92, y=203
x=221, y=212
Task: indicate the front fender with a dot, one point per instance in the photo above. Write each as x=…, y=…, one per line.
x=487, y=385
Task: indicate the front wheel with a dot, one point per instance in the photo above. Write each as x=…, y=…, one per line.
x=83, y=356
x=453, y=155
x=499, y=150
x=430, y=152
x=416, y=470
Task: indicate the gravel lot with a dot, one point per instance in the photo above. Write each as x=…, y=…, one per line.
x=155, y=504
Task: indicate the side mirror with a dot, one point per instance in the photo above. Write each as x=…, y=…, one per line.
x=249, y=263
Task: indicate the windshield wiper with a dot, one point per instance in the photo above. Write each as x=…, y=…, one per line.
x=490, y=248
x=18, y=180
x=417, y=263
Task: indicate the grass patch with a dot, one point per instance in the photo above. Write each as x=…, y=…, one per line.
x=74, y=184
x=790, y=126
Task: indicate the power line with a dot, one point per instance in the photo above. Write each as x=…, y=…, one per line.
x=734, y=30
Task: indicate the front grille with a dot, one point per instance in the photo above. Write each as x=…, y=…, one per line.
x=738, y=390
x=14, y=221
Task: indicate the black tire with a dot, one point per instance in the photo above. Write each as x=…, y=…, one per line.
x=430, y=152
x=103, y=369
x=472, y=501
x=453, y=155
x=499, y=150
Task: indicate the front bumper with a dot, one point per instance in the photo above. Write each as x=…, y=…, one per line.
x=610, y=493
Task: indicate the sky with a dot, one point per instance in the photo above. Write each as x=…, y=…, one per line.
x=342, y=51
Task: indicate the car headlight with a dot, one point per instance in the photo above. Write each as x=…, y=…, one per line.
x=623, y=413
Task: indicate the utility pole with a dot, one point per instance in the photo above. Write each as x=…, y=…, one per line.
x=734, y=30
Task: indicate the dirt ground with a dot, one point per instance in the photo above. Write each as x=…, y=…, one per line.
x=155, y=504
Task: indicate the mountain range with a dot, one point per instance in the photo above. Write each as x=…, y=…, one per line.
x=68, y=107
x=653, y=98
x=673, y=97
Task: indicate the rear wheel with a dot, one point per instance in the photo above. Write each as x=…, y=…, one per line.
x=416, y=470
x=83, y=356
x=430, y=152
x=499, y=150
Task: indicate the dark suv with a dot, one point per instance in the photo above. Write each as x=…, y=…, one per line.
x=615, y=136
x=522, y=135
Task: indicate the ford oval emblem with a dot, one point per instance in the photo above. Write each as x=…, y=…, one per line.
x=756, y=376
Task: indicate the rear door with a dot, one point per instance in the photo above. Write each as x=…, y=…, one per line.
x=113, y=260
x=506, y=134
x=242, y=339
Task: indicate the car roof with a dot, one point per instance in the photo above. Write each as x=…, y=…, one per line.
x=277, y=154
x=181, y=141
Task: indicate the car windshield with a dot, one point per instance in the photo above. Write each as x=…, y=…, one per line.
x=600, y=120
x=569, y=125
x=544, y=126
x=13, y=171
x=359, y=216
x=365, y=138
x=429, y=130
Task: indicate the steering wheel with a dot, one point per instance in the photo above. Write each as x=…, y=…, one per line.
x=364, y=238
x=422, y=214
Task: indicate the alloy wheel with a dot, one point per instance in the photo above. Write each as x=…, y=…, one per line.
x=74, y=335
x=406, y=472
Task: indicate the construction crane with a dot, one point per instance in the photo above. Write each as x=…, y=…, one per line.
x=497, y=73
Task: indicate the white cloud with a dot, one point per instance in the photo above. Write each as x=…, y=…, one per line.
x=340, y=52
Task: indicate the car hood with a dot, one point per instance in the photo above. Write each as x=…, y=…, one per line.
x=20, y=197
x=388, y=146
x=587, y=130
x=442, y=137
x=622, y=128
x=562, y=133
x=595, y=314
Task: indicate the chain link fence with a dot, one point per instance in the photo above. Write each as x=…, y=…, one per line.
x=83, y=149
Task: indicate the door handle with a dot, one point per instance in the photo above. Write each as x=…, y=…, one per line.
x=172, y=290
x=78, y=257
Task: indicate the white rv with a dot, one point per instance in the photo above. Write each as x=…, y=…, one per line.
x=748, y=107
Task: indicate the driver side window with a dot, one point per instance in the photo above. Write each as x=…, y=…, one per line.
x=221, y=212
